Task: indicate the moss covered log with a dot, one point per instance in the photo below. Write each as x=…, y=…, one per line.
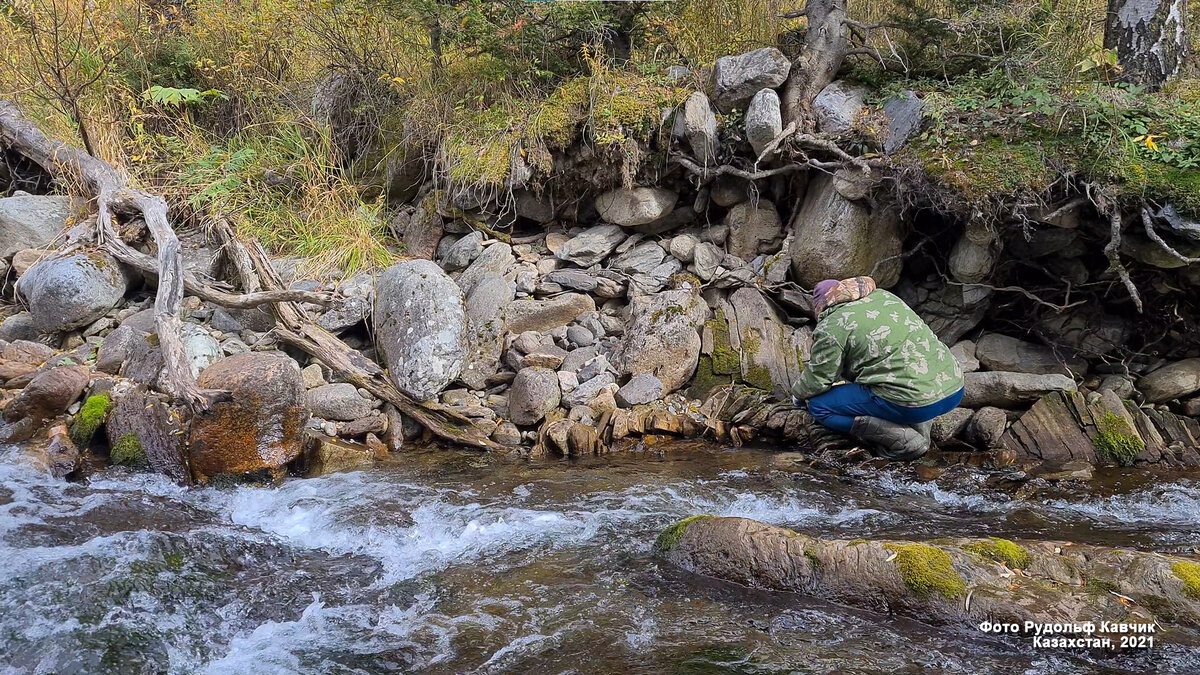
x=950, y=581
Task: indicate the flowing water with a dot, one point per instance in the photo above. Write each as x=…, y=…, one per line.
x=453, y=562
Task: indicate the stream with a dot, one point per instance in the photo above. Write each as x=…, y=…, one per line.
x=446, y=561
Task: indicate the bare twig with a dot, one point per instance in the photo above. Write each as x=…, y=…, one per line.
x=1148, y=224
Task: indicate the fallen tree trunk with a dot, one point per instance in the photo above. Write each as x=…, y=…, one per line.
x=70, y=165
x=963, y=582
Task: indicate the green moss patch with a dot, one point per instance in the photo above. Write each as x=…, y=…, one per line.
x=90, y=418
x=670, y=536
x=1116, y=441
x=1000, y=550
x=128, y=451
x=927, y=570
x=1189, y=574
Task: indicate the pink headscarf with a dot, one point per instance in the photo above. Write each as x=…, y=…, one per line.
x=831, y=292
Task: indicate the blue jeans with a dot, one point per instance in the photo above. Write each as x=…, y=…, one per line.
x=838, y=407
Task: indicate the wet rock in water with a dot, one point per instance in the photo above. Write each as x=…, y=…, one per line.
x=49, y=393
x=948, y=427
x=420, y=327
x=592, y=245
x=507, y=433
x=324, y=455
x=736, y=79
x=463, y=252
x=1101, y=427
x=986, y=426
x=31, y=221
x=700, y=128
x=931, y=583
x=836, y=238
x=496, y=260
x=663, y=336
x=640, y=389
x=534, y=393
x=340, y=402
x=145, y=429
x=754, y=227
x=542, y=315
x=54, y=454
x=764, y=121
x=1175, y=380
x=71, y=291
x=1004, y=353
x=838, y=105
x=1011, y=390
x=635, y=206
x=261, y=428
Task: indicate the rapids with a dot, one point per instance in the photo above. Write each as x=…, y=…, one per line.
x=453, y=562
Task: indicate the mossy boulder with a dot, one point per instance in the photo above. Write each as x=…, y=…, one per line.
x=1000, y=550
x=927, y=569
x=128, y=451
x=261, y=428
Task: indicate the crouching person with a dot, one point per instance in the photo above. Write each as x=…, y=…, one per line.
x=899, y=375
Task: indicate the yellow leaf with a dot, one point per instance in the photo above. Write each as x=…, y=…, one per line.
x=1151, y=144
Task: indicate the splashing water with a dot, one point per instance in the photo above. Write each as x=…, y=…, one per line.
x=450, y=562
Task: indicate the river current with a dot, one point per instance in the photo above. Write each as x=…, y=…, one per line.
x=447, y=561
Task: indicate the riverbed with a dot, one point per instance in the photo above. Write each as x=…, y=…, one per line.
x=446, y=561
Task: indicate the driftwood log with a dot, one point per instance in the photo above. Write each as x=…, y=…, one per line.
x=964, y=582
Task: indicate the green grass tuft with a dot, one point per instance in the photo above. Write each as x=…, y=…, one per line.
x=1115, y=441
x=90, y=418
x=128, y=451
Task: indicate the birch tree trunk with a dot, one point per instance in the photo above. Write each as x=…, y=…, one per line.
x=1150, y=38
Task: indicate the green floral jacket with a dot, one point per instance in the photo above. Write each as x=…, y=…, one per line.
x=878, y=342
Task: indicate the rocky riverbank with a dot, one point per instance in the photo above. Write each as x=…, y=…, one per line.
x=569, y=324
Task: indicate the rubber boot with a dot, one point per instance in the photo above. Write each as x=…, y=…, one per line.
x=832, y=442
x=897, y=442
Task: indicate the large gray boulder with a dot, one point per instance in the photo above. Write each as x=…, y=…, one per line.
x=764, y=120
x=837, y=106
x=635, y=206
x=836, y=238
x=31, y=221
x=486, y=330
x=1172, y=381
x=420, y=327
x=663, y=336
x=67, y=292
x=592, y=245
x=754, y=227
x=1011, y=390
x=534, y=393
x=737, y=78
x=700, y=128
x=1001, y=352
x=639, y=390
x=771, y=353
